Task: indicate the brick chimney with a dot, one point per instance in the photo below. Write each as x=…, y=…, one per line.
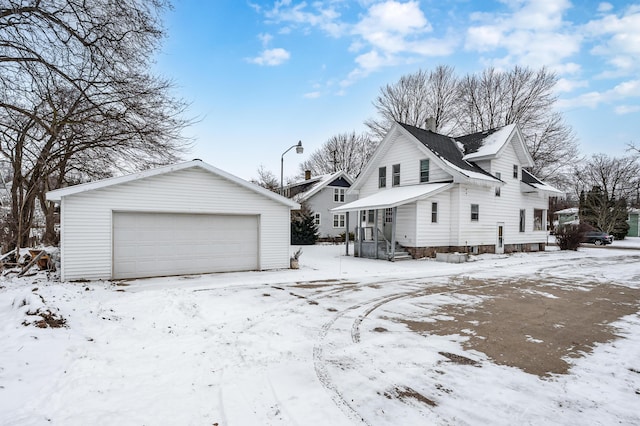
x=431, y=124
x=307, y=174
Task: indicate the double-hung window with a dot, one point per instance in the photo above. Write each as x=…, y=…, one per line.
x=396, y=175
x=538, y=219
x=338, y=220
x=316, y=219
x=434, y=212
x=382, y=177
x=475, y=212
x=523, y=213
x=424, y=171
x=338, y=195
x=516, y=170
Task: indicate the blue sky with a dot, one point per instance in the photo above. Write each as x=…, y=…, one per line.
x=262, y=75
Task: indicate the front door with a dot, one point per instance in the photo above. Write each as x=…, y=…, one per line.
x=500, y=239
x=387, y=225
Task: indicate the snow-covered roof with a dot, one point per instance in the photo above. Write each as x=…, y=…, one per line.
x=394, y=197
x=530, y=181
x=318, y=182
x=570, y=210
x=57, y=194
x=488, y=144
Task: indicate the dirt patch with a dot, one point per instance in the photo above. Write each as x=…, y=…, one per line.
x=533, y=325
x=48, y=319
x=458, y=359
x=406, y=393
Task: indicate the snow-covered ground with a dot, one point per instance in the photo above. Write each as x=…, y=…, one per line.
x=304, y=347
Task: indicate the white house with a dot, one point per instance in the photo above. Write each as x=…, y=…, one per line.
x=321, y=194
x=431, y=193
x=187, y=218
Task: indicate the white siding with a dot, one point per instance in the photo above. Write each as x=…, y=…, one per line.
x=505, y=208
x=86, y=217
x=435, y=234
x=322, y=202
x=408, y=155
x=406, y=225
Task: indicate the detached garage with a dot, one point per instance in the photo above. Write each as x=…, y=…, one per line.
x=189, y=218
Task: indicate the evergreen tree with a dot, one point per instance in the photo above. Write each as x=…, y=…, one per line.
x=304, y=230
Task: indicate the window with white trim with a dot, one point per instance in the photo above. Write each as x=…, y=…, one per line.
x=382, y=177
x=475, y=212
x=338, y=195
x=395, y=175
x=424, y=171
x=523, y=213
x=316, y=219
x=434, y=212
x=538, y=220
x=516, y=171
x=338, y=220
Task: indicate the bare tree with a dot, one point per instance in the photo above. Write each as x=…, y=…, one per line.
x=617, y=177
x=76, y=100
x=416, y=97
x=345, y=151
x=484, y=101
x=267, y=179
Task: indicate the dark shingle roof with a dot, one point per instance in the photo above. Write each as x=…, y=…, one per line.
x=473, y=142
x=444, y=147
x=528, y=178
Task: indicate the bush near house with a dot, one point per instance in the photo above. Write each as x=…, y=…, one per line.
x=568, y=237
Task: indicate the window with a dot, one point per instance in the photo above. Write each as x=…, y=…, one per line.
x=434, y=212
x=475, y=212
x=316, y=219
x=538, y=220
x=382, y=177
x=396, y=175
x=498, y=175
x=424, y=171
x=338, y=195
x=372, y=216
x=338, y=220
x=388, y=215
x=515, y=171
x=522, y=220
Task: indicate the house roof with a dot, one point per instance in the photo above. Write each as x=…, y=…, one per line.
x=570, y=210
x=394, y=197
x=447, y=149
x=530, y=180
x=58, y=194
x=317, y=183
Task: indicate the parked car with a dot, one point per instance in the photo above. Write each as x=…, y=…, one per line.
x=598, y=238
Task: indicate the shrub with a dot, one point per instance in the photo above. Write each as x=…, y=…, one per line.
x=568, y=237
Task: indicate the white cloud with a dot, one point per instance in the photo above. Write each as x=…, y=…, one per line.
x=532, y=33
x=564, y=85
x=312, y=95
x=626, y=109
x=271, y=57
x=265, y=38
x=623, y=91
x=618, y=40
x=605, y=7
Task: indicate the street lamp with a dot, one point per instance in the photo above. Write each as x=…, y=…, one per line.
x=299, y=150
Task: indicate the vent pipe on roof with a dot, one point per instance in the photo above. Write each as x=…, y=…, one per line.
x=431, y=124
x=307, y=174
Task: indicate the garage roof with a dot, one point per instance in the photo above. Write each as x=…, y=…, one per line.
x=104, y=183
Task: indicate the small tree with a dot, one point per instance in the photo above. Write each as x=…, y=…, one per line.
x=568, y=237
x=304, y=230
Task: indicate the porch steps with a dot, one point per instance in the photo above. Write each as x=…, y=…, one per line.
x=401, y=254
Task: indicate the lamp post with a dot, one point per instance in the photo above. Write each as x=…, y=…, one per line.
x=299, y=150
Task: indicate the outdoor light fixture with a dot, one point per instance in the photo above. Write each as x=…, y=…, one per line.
x=299, y=150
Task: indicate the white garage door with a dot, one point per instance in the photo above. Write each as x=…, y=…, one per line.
x=159, y=244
